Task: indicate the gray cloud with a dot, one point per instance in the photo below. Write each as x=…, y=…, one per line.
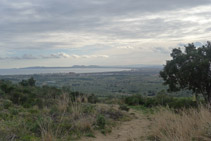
x=197, y=44
x=100, y=26
x=161, y=50
x=78, y=15
x=59, y=55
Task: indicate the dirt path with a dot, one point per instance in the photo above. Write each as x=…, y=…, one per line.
x=128, y=131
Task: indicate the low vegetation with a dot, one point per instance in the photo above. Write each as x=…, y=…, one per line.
x=28, y=112
x=183, y=125
x=33, y=113
x=161, y=100
x=178, y=119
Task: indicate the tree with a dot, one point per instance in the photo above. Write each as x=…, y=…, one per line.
x=189, y=69
x=29, y=82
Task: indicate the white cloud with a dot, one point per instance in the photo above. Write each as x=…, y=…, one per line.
x=94, y=56
x=125, y=47
x=59, y=55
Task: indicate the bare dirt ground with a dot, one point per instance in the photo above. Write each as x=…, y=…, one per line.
x=133, y=130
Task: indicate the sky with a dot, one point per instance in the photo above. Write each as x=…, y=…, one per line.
x=99, y=32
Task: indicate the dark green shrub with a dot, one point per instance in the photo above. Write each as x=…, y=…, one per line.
x=163, y=99
x=39, y=103
x=54, y=110
x=29, y=82
x=88, y=108
x=182, y=103
x=92, y=99
x=2, y=93
x=33, y=126
x=124, y=107
x=101, y=122
x=149, y=102
x=5, y=115
x=134, y=100
x=13, y=111
x=7, y=103
x=6, y=86
x=28, y=138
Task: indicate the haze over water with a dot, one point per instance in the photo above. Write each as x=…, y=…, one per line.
x=58, y=70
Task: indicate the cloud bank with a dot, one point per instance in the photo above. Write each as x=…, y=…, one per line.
x=127, y=31
x=53, y=56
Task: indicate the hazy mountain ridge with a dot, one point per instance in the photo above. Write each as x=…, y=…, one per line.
x=96, y=66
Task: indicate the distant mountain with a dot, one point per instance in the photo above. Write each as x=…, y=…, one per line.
x=90, y=66
x=95, y=66
x=75, y=66
x=142, y=66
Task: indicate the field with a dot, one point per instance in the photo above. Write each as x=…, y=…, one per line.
x=145, y=81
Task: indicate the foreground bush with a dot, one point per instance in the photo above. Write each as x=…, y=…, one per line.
x=185, y=125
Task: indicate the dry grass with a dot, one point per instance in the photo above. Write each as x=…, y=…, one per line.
x=63, y=102
x=186, y=125
x=71, y=119
x=76, y=109
x=46, y=131
x=47, y=136
x=84, y=124
x=50, y=133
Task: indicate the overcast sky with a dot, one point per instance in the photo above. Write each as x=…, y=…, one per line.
x=98, y=32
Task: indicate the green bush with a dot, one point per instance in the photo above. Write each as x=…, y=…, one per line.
x=101, y=122
x=88, y=108
x=28, y=138
x=134, y=100
x=161, y=100
x=124, y=107
x=13, y=111
x=92, y=99
x=7, y=103
x=149, y=102
x=182, y=103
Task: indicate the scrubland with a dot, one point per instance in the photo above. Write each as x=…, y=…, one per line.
x=32, y=113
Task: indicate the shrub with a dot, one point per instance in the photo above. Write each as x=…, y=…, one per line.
x=161, y=100
x=124, y=107
x=88, y=109
x=101, y=122
x=134, y=100
x=84, y=124
x=92, y=99
x=29, y=82
x=182, y=103
x=13, y=111
x=111, y=113
x=149, y=102
x=7, y=103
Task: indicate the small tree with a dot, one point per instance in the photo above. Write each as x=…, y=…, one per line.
x=190, y=69
x=29, y=82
